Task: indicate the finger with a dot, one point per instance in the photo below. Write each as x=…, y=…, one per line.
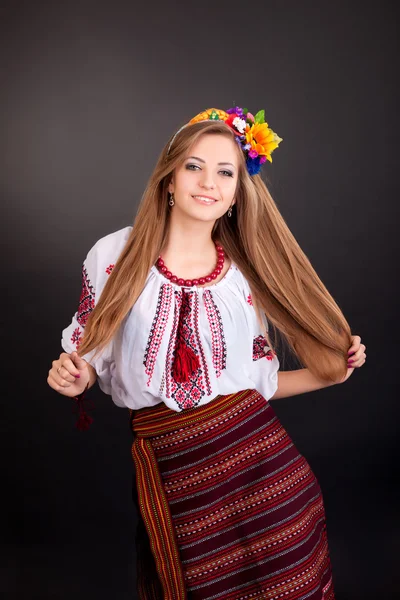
x=58, y=384
x=356, y=342
x=61, y=386
x=354, y=358
x=78, y=362
x=357, y=362
x=70, y=364
x=359, y=353
x=63, y=375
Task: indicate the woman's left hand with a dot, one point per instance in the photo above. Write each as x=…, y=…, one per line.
x=356, y=356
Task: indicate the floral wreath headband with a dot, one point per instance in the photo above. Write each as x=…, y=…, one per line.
x=253, y=135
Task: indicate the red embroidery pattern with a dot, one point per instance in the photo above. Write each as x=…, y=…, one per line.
x=109, y=269
x=171, y=344
x=217, y=333
x=188, y=393
x=250, y=300
x=76, y=337
x=87, y=299
x=157, y=329
x=261, y=348
x=196, y=324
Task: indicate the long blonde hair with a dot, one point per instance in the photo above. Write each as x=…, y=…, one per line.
x=285, y=287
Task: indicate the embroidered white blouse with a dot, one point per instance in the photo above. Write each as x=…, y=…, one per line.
x=221, y=328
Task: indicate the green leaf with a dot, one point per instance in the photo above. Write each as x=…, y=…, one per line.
x=245, y=111
x=260, y=117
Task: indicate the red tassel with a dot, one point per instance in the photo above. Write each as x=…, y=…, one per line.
x=186, y=362
x=84, y=420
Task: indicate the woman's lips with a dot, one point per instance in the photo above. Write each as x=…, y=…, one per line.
x=204, y=200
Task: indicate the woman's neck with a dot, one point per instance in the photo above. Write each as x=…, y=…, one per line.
x=189, y=250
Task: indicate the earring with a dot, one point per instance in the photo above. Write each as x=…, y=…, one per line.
x=171, y=199
x=230, y=211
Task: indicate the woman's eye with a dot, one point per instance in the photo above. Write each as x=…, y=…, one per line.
x=192, y=167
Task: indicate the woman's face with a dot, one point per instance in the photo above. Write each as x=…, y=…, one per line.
x=204, y=185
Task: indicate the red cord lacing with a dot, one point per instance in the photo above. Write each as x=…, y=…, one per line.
x=84, y=420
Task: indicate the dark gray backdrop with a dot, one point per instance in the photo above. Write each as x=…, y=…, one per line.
x=90, y=92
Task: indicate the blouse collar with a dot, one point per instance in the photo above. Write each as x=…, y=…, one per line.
x=228, y=275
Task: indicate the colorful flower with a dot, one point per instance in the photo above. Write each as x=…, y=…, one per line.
x=239, y=141
x=235, y=110
x=253, y=135
x=253, y=165
x=262, y=139
x=230, y=118
x=240, y=124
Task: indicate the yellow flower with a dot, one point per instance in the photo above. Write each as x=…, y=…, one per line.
x=262, y=139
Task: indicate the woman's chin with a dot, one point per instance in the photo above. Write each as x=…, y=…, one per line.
x=210, y=214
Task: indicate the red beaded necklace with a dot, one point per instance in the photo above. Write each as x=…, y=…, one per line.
x=191, y=282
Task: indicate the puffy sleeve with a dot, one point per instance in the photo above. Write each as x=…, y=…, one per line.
x=265, y=364
x=96, y=268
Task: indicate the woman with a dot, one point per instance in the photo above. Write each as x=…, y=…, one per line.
x=179, y=320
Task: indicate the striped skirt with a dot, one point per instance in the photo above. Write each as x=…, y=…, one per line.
x=228, y=507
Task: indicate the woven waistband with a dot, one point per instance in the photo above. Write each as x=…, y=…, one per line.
x=160, y=419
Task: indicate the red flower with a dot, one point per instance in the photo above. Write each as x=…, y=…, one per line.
x=230, y=120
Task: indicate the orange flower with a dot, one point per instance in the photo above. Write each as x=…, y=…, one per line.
x=262, y=139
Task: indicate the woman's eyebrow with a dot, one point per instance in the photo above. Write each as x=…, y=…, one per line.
x=203, y=161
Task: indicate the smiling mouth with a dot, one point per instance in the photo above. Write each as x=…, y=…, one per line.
x=205, y=199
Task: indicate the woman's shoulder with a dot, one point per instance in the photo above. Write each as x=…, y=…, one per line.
x=112, y=242
x=102, y=256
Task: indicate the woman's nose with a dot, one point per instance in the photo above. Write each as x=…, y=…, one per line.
x=207, y=181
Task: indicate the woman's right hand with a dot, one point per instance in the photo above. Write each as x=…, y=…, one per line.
x=69, y=375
